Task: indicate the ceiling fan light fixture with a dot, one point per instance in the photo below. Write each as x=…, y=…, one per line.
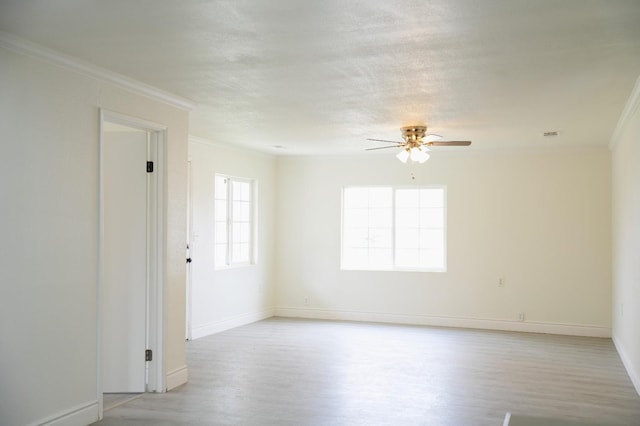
x=418, y=155
x=415, y=154
x=403, y=155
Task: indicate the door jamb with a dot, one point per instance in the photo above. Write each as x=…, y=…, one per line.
x=157, y=263
x=189, y=307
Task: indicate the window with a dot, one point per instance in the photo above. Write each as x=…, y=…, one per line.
x=234, y=224
x=385, y=228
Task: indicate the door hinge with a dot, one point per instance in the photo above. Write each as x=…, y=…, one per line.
x=148, y=355
x=149, y=166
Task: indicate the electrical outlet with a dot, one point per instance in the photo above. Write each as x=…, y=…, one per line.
x=501, y=282
x=520, y=316
x=306, y=301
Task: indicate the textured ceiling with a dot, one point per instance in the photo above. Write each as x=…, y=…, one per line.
x=321, y=77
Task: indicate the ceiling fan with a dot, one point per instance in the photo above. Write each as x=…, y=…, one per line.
x=416, y=143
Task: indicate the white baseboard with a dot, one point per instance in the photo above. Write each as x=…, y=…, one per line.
x=229, y=323
x=439, y=321
x=626, y=361
x=177, y=377
x=80, y=415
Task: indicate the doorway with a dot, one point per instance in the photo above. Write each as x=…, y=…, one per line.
x=130, y=358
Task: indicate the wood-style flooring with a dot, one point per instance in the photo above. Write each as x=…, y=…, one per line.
x=113, y=400
x=306, y=372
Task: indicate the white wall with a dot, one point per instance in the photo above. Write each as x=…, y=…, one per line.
x=222, y=299
x=539, y=219
x=49, y=132
x=626, y=237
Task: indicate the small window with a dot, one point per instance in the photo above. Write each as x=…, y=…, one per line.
x=234, y=223
x=386, y=228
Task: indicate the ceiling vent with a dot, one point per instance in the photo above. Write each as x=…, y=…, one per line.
x=550, y=134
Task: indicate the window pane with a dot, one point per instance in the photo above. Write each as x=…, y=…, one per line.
x=240, y=191
x=407, y=238
x=245, y=215
x=236, y=242
x=356, y=218
x=240, y=252
x=380, y=258
x=241, y=232
x=432, y=197
x=356, y=237
x=380, y=218
x=407, y=199
x=220, y=187
x=245, y=233
x=237, y=211
x=220, y=224
x=221, y=210
x=420, y=228
x=235, y=235
x=220, y=257
x=408, y=258
x=407, y=218
x=244, y=252
x=380, y=197
x=431, y=258
x=356, y=257
x=380, y=237
x=356, y=198
x=245, y=191
x=380, y=228
x=221, y=232
x=236, y=253
x=431, y=218
x=431, y=239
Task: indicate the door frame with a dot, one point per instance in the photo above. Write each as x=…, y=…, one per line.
x=189, y=333
x=155, y=380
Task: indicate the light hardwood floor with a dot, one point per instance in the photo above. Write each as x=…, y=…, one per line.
x=305, y=372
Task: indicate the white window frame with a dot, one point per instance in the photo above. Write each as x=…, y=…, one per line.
x=394, y=266
x=229, y=261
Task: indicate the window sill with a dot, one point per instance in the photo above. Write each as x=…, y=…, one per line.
x=358, y=269
x=234, y=266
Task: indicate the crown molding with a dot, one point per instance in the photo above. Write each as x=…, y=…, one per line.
x=24, y=47
x=229, y=147
x=629, y=110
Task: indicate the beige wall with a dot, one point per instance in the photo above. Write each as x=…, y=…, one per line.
x=539, y=219
x=49, y=118
x=626, y=238
x=226, y=298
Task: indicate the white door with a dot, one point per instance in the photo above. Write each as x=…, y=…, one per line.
x=124, y=285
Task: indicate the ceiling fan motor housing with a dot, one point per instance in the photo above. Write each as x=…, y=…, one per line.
x=413, y=133
x=413, y=136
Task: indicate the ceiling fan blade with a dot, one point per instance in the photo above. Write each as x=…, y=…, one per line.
x=449, y=143
x=431, y=137
x=383, y=140
x=383, y=147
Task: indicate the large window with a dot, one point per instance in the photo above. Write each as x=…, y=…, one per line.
x=234, y=223
x=386, y=228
